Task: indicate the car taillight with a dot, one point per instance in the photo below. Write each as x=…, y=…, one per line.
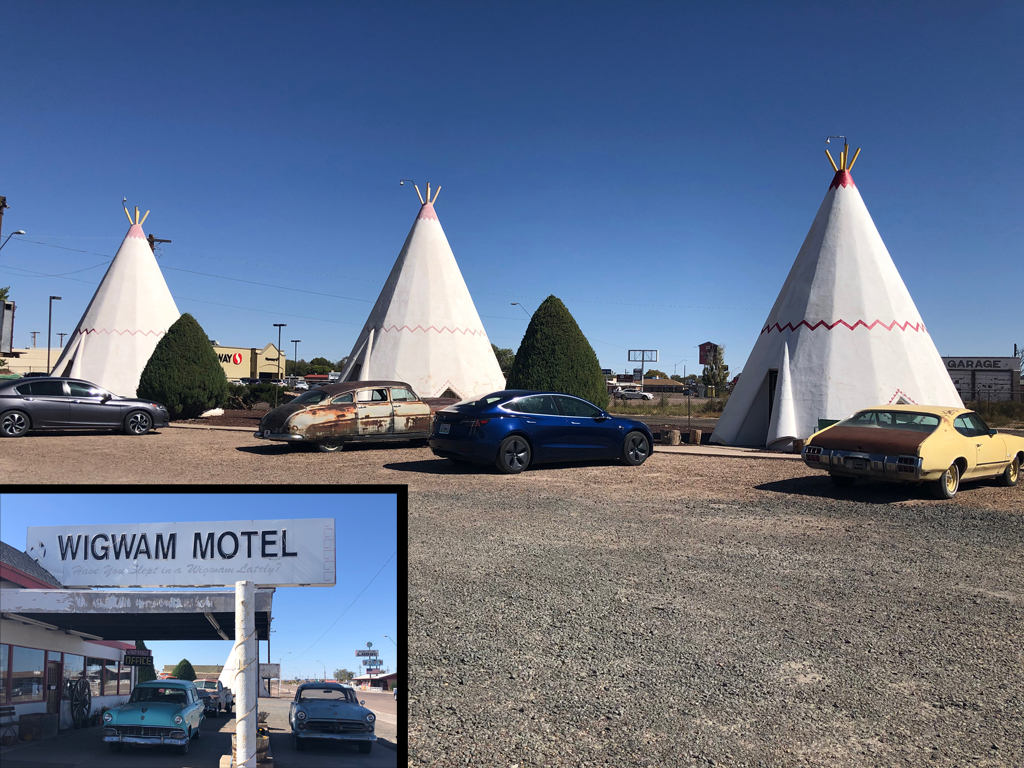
x=475, y=422
x=906, y=464
x=813, y=453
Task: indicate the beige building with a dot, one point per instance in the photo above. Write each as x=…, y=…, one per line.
x=237, y=362
x=249, y=362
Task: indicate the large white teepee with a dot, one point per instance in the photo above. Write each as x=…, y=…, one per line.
x=843, y=335
x=129, y=313
x=424, y=328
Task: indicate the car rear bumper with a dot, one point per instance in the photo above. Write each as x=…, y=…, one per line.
x=858, y=464
x=142, y=741
x=465, y=448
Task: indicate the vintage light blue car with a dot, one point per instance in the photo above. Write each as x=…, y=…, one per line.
x=331, y=711
x=158, y=712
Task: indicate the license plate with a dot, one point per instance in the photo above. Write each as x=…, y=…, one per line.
x=444, y=429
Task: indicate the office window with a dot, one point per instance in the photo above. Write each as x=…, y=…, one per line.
x=94, y=673
x=110, y=678
x=27, y=667
x=74, y=668
x=4, y=655
x=124, y=686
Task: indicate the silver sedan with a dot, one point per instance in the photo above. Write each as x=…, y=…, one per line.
x=57, y=403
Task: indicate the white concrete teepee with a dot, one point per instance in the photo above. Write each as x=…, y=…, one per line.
x=129, y=313
x=843, y=335
x=424, y=328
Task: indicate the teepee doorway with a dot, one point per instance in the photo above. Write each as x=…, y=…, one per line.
x=773, y=380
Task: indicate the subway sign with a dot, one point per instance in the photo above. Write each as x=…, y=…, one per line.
x=272, y=553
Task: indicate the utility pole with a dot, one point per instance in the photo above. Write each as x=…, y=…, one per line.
x=295, y=357
x=3, y=204
x=153, y=241
x=62, y=335
x=34, y=334
x=49, y=325
x=279, y=326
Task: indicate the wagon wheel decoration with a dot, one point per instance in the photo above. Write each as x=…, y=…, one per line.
x=81, y=699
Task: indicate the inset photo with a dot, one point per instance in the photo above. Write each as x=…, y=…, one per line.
x=231, y=627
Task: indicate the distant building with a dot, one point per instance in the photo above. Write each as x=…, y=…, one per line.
x=202, y=670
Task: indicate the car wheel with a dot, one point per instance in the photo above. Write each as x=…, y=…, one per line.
x=635, y=448
x=513, y=455
x=947, y=485
x=330, y=446
x=115, y=746
x=842, y=481
x=138, y=423
x=198, y=734
x=183, y=749
x=14, y=424
x=365, y=747
x=1011, y=474
x=299, y=745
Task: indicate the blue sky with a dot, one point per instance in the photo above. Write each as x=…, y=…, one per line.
x=301, y=614
x=654, y=165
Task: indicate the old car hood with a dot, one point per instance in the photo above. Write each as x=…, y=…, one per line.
x=157, y=713
x=275, y=419
x=889, y=442
x=333, y=710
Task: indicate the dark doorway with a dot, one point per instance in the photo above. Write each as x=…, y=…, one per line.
x=53, y=687
x=773, y=379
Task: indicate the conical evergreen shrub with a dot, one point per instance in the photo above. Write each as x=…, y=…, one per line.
x=184, y=671
x=145, y=673
x=555, y=355
x=183, y=372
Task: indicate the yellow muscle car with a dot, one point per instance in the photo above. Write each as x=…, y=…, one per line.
x=915, y=444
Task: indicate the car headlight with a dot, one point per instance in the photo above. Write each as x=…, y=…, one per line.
x=107, y=717
x=178, y=720
x=370, y=717
x=300, y=715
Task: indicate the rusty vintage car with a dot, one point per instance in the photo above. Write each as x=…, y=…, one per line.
x=355, y=411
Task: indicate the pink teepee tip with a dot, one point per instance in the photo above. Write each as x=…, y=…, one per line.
x=136, y=231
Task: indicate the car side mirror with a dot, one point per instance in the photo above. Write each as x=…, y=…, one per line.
x=362, y=703
x=602, y=417
x=992, y=433
x=105, y=398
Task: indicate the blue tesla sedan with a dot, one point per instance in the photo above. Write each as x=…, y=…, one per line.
x=516, y=428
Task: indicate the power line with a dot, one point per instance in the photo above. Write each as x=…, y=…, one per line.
x=349, y=606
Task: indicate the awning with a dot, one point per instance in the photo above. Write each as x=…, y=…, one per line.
x=117, y=614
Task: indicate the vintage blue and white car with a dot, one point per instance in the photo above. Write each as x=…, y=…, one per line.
x=158, y=712
x=331, y=711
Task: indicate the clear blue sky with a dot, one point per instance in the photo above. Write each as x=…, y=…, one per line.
x=654, y=165
x=301, y=614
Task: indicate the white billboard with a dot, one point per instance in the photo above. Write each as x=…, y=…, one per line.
x=272, y=553
x=270, y=672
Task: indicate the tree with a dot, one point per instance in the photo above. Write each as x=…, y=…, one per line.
x=183, y=372
x=145, y=673
x=506, y=357
x=340, y=365
x=4, y=293
x=555, y=355
x=343, y=674
x=676, y=377
x=322, y=361
x=654, y=373
x=716, y=373
x=184, y=671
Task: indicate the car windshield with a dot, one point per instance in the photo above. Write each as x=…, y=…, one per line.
x=481, y=402
x=311, y=397
x=905, y=420
x=327, y=694
x=207, y=684
x=159, y=695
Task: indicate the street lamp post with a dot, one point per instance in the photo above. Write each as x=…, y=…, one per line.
x=49, y=325
x=325, y=668
x=280, y=676
x=19, y=232
x=392, y=640
x=295, y=357
x=279, y=326
x=517, y=304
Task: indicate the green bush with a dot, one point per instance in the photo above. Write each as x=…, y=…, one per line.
x=184, y=671
x=998, y=413
x=555, y=355
x=183, y=372
x=245, y=396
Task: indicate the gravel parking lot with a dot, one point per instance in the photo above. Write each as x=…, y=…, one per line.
x=693, y=611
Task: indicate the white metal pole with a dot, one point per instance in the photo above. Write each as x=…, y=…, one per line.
x=245, y=673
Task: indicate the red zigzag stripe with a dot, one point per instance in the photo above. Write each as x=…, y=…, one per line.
x=821, y=323
x=463, y=331
x=87, y=331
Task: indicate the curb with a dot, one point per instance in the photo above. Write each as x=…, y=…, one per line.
x=212, y=426
x=750, y=455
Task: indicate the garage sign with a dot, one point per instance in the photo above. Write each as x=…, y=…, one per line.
x=272, y=553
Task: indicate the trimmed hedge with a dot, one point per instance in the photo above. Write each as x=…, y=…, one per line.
x=555, y=355
x=183, y=372
x=184, y=671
